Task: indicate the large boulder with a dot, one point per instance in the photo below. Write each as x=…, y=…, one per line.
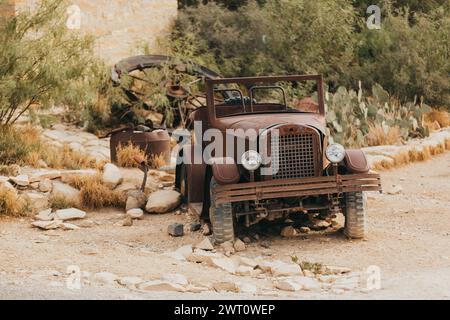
x=112, y=176
x=163, y=201
x=136, y=200
x=64, y=191
x=37, y=201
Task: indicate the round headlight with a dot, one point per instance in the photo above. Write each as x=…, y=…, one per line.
x=335, y=153
x=251, y=160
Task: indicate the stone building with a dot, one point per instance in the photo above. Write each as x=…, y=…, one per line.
x=119, y=26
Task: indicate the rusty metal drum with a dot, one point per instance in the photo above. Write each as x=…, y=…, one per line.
x=155, y=143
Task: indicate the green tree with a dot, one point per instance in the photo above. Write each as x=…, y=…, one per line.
x=42, y=62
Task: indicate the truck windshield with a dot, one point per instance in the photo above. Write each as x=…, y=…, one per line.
x=237, y=99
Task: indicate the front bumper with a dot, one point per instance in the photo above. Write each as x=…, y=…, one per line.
x=275, y=189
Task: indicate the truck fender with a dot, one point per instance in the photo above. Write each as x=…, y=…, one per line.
x=225, y=170
x=356, y=162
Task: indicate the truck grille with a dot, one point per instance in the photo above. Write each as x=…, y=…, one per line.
x=294, y=156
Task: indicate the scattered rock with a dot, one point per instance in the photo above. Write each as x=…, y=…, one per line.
x=175, y=278
x=112, y=176
x=205, y=245
x=181, y=253
x=307, y=283
x=239, y=245
x=69, y=214
x=62, y=190
x=248, y=262
x=127, y=222
x=135, y=200
x=227, y=248
x=21, y=181
x=86, y=224
x=289, y=232
x=202, y=256
x=226, y=287
x=4, y=183
x=226, y=264
x=69, y=226
x=42, y=175
x=130, y=282
x=37, y=201
x=176, y=230
x=247, y=240
x=336, y=270
x=195, y=226
x=288, y=285
x=305, y=230
x=47, y=225
x=281, y=269
x=45, y=215
x=45, y=186
x=318, y=224
x=244, y=271
x=160, y=286
x=163, y=201
x=246, y=287
x=105, y=278
x=206, y=229
x=136, y=213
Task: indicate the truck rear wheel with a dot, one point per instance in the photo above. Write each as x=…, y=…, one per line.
x=222, y=220
x=355, y=215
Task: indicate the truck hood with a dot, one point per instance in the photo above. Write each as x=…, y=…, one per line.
x=267, y=120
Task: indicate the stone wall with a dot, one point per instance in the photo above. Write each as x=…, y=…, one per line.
x=118, y=25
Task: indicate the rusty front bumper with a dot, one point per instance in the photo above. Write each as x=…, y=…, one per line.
x=273, y=189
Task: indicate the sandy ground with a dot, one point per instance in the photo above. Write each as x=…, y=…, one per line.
x=409, y=241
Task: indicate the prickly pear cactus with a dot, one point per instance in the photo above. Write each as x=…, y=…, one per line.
x=350, y=114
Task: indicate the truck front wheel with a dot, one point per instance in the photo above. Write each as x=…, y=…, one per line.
x=222, y=220
x=355, y=215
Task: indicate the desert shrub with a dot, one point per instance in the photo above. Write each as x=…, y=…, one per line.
x=379, y=135
x=41, y=62
x=11, y=204
x=127, y=155
x=23, y=146
x=94, y=194
x=58, y=203
x=279, y=37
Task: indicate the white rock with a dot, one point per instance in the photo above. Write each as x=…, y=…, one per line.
x=239, y=245
x=244, y=271
x=130, y=281
x=205, y=244
x=175, y=278
x=69, y=226
x=201, y=256
x=40, y=175
x=160, y=286
x=136, y=213
x=288, y=285
x=246, y=287
x=47, y=225
x=45, y=215
x=4, y=183
x=226, y=264
x=181, y=253
x=105, y=278
x=69, y=214
x=37, y=201
x=22, y=180
x=62, y=190
x=395, y=189
x=112, y=176
x=45, y=185
x=307, y=283
x=248, y=262
x=281, y=269
x=163, y=201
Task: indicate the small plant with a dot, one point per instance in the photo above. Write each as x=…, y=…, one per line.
x=11, y=204
x=315, y=268
x=94, y=194
x=58, y=203
x=157, y=161
x=127, y=155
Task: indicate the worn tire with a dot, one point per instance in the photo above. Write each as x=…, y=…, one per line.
x=355, y=215
x=222, y=219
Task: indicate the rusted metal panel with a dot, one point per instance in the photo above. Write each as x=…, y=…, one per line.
x=273, y=189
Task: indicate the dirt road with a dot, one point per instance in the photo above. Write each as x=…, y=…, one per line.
x=409, y=241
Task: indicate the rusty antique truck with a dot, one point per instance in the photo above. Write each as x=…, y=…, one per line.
x=290, y=167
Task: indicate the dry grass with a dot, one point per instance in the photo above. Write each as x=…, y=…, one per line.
x=378, y=137
x=11, y=204
x=126, y=156
x=58, y=203
x=437, y=119
x=94, y=194
x=415, y=155
x=157, y=161
x=23, y=146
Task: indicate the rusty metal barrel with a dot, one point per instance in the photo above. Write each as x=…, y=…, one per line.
x=155, y=143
